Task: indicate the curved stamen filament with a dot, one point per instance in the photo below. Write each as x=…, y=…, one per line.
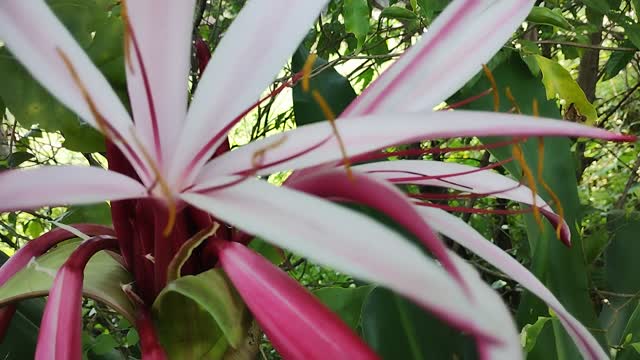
x=101, y=122
x=543, y=183
x=512, y=99
x=469, y=100
x=494, y=86
x=519, y=156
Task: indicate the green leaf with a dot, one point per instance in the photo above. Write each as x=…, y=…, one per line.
x=398, y=13
x=18, y=158
x=356, y=19
x=346, y=302
x=199, y=316
x=94, y=214
x=332, y=86
x=397, y=329
x=618, y=60
x=562, y=270
x=600, y=6
x=102, y=279
x=633, y=32
x=558, y=81
x=530, y=332
x=103, y=344
x=622, y=315
x=22, y=336
x=544, y=15
x=268, y=251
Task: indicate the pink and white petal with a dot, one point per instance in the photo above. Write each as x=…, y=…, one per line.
x=62, y=185
x=158, y=83
x=315, y=144
x=60, y=336
x=38, y=48
x=465, y=36
x=245, y=63
x=460, y=232
x=346, y=241
x=377, y=194
x=295, y=321
x=471, y=180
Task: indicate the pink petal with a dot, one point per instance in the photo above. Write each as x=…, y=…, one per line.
x=381, y=196
x=346, y=241
x=61, y=185
x=315, y=144
x=477, y=182
x=38, y=49
x=245, y=63
x=158, y=91
x=459, y=231
x=60, y=334
x=465, y=36
x=42, y=244
x=298, y=325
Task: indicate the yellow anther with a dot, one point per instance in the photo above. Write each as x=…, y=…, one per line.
x=528, y=175
x=328, y=113
x=545, y=186
x=124, y=13
x=258, y=156
x=494, y=86
x=512, y=99
x=306, y=71
x=172, y=207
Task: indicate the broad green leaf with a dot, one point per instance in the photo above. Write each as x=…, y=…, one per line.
x=199, y=316
x=600, y=6
x=268, y=251
x=428, y=8
x=563, y=270
x=356, y=19
x=622, y=316
x=398, y=13
x=530, y=332
x=633, y=32
x=544, y=15
x=346, y=302
x=102, y=279
x=618, y=60
x=397, y=329
x=22, y=336
x=594, y=245
x=94, y=214
x=558, y=81
x=333, y=87
x=18, y=158
x=104, y=343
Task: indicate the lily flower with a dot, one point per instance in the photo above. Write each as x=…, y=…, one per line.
x=167, y=179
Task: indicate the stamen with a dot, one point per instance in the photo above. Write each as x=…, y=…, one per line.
x=519, y=156
x=124, y=13
x=172, y=207
x=103, y=125
x=468, y=100
x=512, y=99
x=258, y=157
x=328, y=113
x=494, y=86
x=552, y=194
x=306, y=71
